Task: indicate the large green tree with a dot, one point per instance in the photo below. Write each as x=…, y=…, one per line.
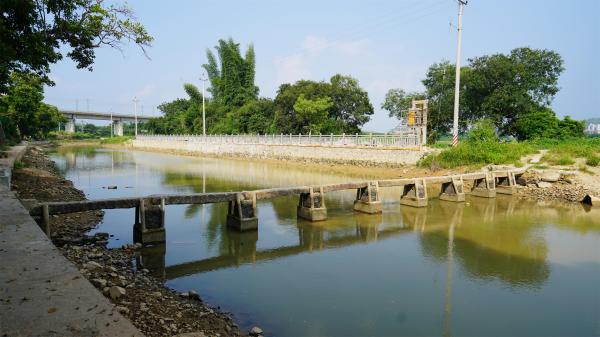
x=231, y=75
x=36, y=33
x=503, y=88
x=22, y=112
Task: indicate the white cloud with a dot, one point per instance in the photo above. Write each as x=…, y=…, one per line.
x=314, y=50
x=146, y=91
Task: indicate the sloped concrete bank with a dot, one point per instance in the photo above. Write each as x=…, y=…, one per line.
x=364, y=156
x=123, y=290
x=41, y=293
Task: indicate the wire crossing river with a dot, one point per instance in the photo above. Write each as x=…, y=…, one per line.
x=496, y=267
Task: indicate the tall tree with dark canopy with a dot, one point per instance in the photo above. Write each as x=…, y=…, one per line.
x=231, y=75
x=35, y=33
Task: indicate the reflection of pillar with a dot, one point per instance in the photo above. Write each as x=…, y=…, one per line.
x=70, y=125
x=153, y=259
x=118, y=127
x=242, y=245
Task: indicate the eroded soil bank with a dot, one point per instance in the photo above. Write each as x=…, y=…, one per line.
x=151, y=307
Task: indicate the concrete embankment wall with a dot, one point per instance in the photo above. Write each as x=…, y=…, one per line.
x=345, y=155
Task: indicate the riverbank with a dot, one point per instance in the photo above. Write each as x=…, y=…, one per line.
x=136, y=294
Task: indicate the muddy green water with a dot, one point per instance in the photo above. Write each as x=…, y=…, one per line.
x=500, y=267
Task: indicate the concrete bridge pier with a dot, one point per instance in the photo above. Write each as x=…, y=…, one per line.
x=367, y=199
x=118, y=127
x=241, y=213
x=484, y=187
x=415, y=194
x=311, y=205
x=453, y=190
x=70, y=125
x=506, y=185
x=149, y=224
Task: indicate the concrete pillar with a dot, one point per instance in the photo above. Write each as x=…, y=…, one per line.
x=453, y=190
x=70, y=125
x=153, y=259
x=241, y=214
x=311, y=205
x=484, y=187
x=507, y=184
x=150, y=223
x=367, y=199
x=415, y=194
x=118, y=127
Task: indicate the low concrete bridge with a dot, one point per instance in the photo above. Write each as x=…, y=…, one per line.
x=242, y=216
x=116, y=119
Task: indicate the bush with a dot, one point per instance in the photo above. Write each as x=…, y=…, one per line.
x=592, y=160
x=484, y=131
x=115, y=140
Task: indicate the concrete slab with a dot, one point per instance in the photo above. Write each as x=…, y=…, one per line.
x=41, y=292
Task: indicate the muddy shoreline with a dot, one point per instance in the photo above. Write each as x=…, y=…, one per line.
x=152, y=307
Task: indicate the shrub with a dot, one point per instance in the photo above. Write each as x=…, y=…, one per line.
x=592, y=160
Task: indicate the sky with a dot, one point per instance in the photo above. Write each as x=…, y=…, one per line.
x=383, y=44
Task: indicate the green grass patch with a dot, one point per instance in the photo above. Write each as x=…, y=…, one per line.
x=592, y=160
x=115, y=140
x=19, y=165
x=478, y=154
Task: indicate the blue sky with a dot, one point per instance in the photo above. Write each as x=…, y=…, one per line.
x=384, y=44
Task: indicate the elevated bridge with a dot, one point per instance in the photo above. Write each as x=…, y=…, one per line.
x=116, y=119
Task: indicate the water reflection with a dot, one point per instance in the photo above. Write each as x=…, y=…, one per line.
x=407, y=271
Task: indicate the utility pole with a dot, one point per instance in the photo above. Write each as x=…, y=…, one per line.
x=135, y=102
x=203, y=79
x=461, y=6
x=111, y=124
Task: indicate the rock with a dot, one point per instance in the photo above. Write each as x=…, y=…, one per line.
x=193, y=295
x=191, y=334
x=99, y=282
x=185, y=294
x=122, y=310
x=157, y=294
x=116, y=292
x=544, y=184
x=92, y=266
x=590, y=200
x=550, y=176
x=255, y=331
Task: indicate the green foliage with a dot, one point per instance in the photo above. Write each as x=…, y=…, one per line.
x=19, y=165
x=312, y=114
x=351, y=107
x=478, y=154
x=397, y=102
x=543, y=123
x=484, y=131
x=22, y=112
x=116, y=140
x=565, y=151
x=232, y=75
x=35, y=34
x=592, y=160
x=505, y=88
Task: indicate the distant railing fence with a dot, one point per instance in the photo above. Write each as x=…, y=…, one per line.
x=404, y=140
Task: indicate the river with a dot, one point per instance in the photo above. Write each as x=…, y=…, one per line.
x=494, y=267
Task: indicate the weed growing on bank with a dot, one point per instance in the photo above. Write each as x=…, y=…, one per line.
x=115, y=140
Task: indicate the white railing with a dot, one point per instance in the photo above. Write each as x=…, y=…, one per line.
x=405, y=140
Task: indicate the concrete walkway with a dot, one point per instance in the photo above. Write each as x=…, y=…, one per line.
x=41, y=292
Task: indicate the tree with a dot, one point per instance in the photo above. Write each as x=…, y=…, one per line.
x=22, y=113
x=539, y=123
x=397, y=102
x=312, y=114
x=351, y=104
x=505, y=87
x=286, y=119
x=35, y=33
x=231, y=76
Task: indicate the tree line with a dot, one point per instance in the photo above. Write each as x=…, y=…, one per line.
x=339, y=105
x=510, y=91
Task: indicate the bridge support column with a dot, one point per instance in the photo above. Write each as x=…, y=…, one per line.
x=415, y=194
x=506, y=185
x=484, y=187
x=150, y=223
x=311, y=205
x=241, y=214
x=70, y=125
x=453, y=190
x=367, y=199
x=118, y=127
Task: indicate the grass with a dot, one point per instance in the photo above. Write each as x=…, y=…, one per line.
x=115, y=140
x=478, y=154
x=560, y=152
x=19, y=165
